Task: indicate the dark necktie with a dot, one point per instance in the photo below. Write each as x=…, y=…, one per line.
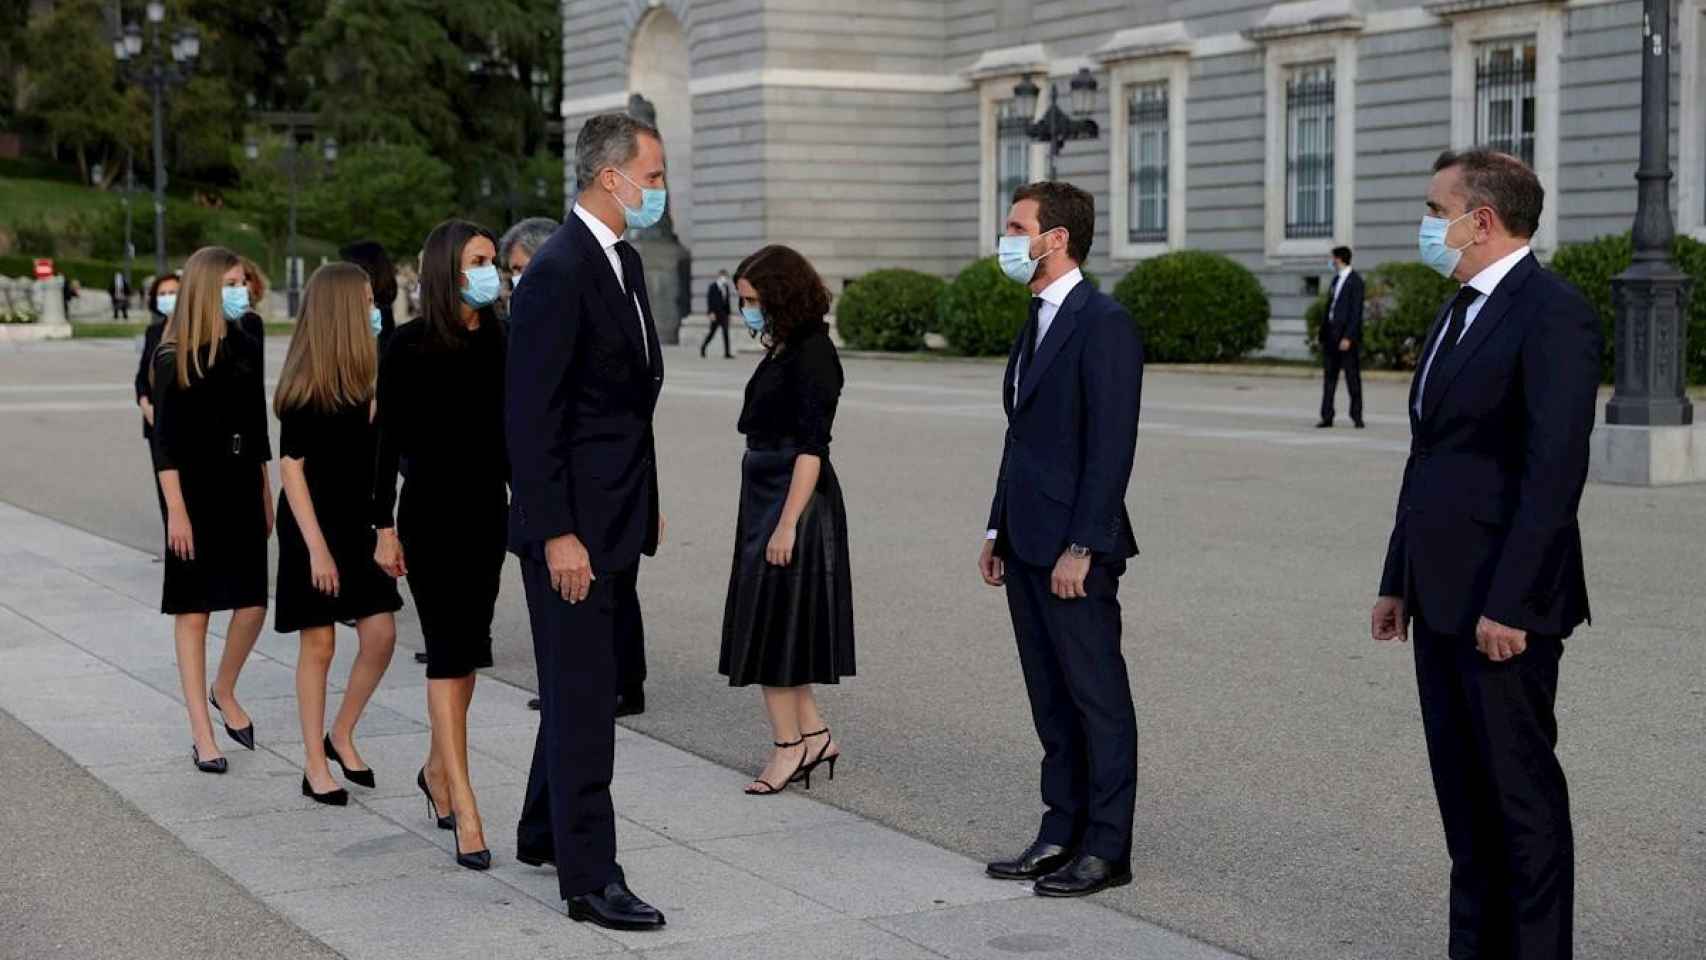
x=1333, y=292
x=634, y=272
x=1028, y=339
x=1466, y=295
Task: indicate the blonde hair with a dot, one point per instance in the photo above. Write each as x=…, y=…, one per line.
x=199, y=318
x=256, y=280
x=332, y=360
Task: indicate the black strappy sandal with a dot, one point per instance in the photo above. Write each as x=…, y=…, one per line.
x=805, y=772
x=770, y=789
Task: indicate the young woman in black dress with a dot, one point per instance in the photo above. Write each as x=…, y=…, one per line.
x=441, y=391
x=788, y=622
x=162, y=299
x=211, y=452
x=326, y=570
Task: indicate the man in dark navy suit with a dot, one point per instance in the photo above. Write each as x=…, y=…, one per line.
x=583, y=379
x=1485, y=559
x=1341, y=339
x=719, y=302
x=1059, y=539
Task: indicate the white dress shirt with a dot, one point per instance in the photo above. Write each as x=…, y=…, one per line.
x=1484, y=283
x=608, y=240
x=1052, y=296
x=1338, y=287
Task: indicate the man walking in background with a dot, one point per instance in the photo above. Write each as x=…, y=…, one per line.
x=719, y=298
x=120, y=290
x=1341, y=338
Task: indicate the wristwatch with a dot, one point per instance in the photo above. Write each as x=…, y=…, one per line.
x=1079, y=551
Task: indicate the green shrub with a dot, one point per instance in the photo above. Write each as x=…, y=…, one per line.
x=1195, y=307
x=1313, y=318
x=1590, y=266
x=982, y=311
x=888, y=310
x=1402, y=299
x=92, y=274
x=35, y=237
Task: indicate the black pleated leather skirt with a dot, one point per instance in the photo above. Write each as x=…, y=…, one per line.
x=793, y=625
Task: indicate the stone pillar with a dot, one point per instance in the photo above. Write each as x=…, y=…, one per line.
x=50, y=300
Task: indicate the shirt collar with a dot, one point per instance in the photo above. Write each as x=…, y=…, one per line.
x=1055, y=293
x=1489, y=278
x=606, y=239
x=1344, y=273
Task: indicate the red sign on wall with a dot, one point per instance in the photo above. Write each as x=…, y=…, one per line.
x=44, y=268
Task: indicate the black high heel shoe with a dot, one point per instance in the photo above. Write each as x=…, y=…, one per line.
x=245, y=736
x=770, y=789
x=473, y=860
x=806, y=771
x=216, y=765
x=331, y=798
x=361, y=777
x=444, y=823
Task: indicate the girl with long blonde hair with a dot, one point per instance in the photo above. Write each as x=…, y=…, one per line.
x=211, y=453
x=326, y=540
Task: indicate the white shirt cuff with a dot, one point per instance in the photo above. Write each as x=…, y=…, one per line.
x=991, y=535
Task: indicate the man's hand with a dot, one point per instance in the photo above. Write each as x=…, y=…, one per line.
x=993, y=568
x=1069, y=575
x=571, y=568
x=1499, y=642
x=1390, y=620
x=1344, y=344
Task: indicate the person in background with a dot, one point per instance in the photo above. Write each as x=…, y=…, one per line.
x=1341, y=339
x=370, y=255
x=120, y=291
x=211, y=450
x=69, y=290
x=326, y=540
x=516, y=248
x=161, y=301
x=788, y=619
x=256, y=279
x=441, y=409
x=719, y=298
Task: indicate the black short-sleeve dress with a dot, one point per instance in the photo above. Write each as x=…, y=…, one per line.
x=793, y=625
x=336, y=449
x=214, y=434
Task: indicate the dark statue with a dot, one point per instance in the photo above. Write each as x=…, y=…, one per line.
x=669, y=264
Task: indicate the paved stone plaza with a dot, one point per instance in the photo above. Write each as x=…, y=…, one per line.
x=1284, y=809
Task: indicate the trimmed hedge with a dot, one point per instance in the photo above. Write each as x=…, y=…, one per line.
x=1590, y=267
x=92, y=274
x=1400, y=301
x=1195, y=307
x=981, y=310
x=888, y=310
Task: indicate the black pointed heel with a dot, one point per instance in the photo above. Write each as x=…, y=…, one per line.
x=216, y=765
x=806, y=771
x=359, y=777
x=444, y=823
x=771, y=789
x=474, y=860
x=331, y=798
x=245, y=736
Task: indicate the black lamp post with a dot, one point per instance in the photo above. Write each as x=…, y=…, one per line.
x=159, y=72
x=1652, y=296
x=98, y=174
x=295, y=137
x=1056, y=127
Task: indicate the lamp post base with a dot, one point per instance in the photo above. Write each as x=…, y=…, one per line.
x=1648, y=456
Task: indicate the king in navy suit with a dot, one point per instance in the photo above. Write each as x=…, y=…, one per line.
x=1059, y=538
x=1485, y=557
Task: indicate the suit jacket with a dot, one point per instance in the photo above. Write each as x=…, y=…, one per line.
x=579, y=398
x=1071, y=436
x=1345, y=320
x=715, y=301
x=1486, y=520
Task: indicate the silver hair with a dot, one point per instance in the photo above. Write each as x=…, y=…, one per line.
x=529, y=235
x=608, y=140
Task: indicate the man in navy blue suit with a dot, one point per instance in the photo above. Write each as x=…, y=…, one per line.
x=1485, y=559
x=1059, y=539
x=583, y=379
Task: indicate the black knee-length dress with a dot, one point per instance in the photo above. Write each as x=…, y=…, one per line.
x=214, y=434
x=441, y=425
x=793, y=625
x=336, y=448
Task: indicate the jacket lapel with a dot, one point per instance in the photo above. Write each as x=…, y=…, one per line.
x=1061, y=330
x=1493, y=311
x=1434, y=333
x=1007, y=393
x=620, y=304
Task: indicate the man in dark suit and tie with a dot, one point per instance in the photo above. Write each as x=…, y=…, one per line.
x=718, y=297
x=1341, y=338
x=1485, y=559
x=1059, y=539
x=584, y=375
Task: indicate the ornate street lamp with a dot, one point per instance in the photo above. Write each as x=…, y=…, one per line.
x=295, y=137
x=1056, y=127
x=162, y=70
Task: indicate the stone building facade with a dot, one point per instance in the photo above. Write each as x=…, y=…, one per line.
x=879, y=133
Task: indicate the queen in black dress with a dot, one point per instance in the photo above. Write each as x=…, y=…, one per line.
x=211, y=452
x=441, y=421
x=788, y=621
x=162, y=299
x=326, y=540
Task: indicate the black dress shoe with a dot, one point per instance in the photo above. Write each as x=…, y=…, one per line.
x=216, y=765
x=535, y=857
x=331, y=798
x=1085, y=875
x=615, y=907
x=1040, y=860
x=533, y=704
x=1359, y=424
x=631, y=704
x=362, y=777
x=244, y=737
x=1324, y=425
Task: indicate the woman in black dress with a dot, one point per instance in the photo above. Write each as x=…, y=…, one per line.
x=441, y=391
x=161, y=301
x=211, y=452
x=326, y=570
x=788, y=622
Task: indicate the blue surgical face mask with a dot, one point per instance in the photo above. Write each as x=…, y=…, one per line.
x=652, y=203
x=374, y=320
x=1436, y=253
x=1014, y=255
x=754, y=318
x=166, y=303
x=235, y=301
x=483, y=286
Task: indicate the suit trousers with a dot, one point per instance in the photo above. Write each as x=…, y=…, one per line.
x=717, y=321
x=568, y=809
x=1075, y=676
x=630, y=636
x=1350, y=361
x=1491, y=734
